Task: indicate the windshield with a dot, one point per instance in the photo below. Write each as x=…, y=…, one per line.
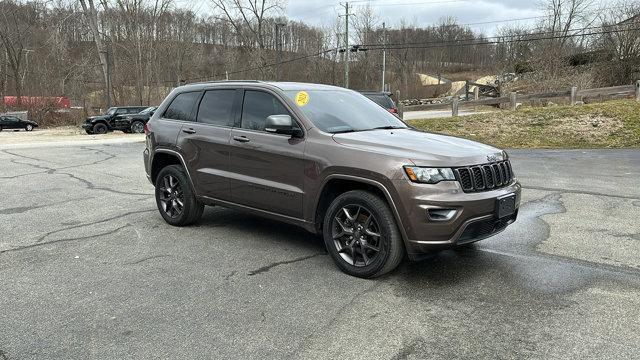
x=147, y=110
x=336, y=111
x=111, y=111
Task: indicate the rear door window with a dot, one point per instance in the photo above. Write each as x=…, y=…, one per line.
x=257, y=107
x=216, y=107
x=182, y=106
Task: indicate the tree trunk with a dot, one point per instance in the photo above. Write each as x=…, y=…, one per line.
x=91, y=14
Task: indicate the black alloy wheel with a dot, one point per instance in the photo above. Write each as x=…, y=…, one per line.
x=356, y=235
x=361, y=234
x=171, y=196
x=175, y=198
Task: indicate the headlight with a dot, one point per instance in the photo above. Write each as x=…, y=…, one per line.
x=429, y=175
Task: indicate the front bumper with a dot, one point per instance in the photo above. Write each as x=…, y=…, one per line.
x=475, y=214
x=87, y=126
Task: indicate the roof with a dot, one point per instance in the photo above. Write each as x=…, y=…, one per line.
x=285, y=86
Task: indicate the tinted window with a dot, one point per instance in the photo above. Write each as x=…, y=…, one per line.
x=216, y=107
x=121, y=111
x=381, y=100
x=257, y=107
x=181, y=107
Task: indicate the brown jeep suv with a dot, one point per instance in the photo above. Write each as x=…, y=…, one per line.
x=331, y=161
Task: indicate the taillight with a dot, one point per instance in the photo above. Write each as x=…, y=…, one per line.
x=393, y=110
x=147, y=129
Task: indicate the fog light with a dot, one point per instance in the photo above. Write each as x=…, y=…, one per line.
x=441, y=214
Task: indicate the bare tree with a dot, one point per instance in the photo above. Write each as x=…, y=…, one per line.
x=249, y=18
x=91, y=15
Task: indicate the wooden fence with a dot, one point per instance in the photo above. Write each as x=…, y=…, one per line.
x=574, y=95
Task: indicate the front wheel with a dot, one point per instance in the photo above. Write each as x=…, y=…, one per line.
x=175, y=198
x=29, y=127
x=100, y=128
x=361, y=235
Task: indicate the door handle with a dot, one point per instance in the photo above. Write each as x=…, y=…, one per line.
x=241, y=139
x=189, y=131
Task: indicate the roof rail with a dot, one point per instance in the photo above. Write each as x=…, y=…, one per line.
x=224, y=81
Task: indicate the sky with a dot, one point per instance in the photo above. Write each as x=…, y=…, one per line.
x=489, y=13
x=428, y=12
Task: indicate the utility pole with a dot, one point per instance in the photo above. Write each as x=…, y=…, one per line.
x=384, y=54
x=278, y=49
x=346, y=44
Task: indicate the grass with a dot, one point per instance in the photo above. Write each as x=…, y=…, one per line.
x=612, y=124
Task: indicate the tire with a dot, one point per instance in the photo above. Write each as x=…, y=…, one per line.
x=0, y=128
x=100, y=128
x=374, y=217
x=29, y=127
x=137, y=127
x=180, y=191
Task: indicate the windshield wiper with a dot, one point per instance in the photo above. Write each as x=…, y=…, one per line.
x=344, y=131
x=388, y=127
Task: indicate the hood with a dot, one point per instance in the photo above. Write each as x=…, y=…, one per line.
x=423, y=149
x=99, y=117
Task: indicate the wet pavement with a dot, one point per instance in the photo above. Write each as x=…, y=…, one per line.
x=90, y=270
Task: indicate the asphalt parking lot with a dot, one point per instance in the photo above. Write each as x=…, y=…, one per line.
x=89, y=270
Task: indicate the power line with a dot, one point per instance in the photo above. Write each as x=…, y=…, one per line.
x=438, y=45
x=428, y=45
x=259, y=67
x=496, y=37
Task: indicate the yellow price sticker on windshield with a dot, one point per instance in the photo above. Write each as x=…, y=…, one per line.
x=302, y=98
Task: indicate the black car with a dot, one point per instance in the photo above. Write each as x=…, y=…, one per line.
x=383, y=99
x=110, y=121
x=135, y=123
x=13, y=122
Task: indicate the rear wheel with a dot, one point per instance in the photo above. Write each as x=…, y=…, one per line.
x=175, y=198
x=137, y=127
x=100, y=128
x=361, y=235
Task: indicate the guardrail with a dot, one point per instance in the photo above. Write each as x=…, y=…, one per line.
x=573, y=94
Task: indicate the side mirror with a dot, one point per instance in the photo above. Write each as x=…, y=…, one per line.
x=281, y=124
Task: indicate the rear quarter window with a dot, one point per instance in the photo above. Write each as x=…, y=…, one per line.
x=182, y=107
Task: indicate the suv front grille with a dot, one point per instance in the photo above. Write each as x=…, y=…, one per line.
x=484, y=177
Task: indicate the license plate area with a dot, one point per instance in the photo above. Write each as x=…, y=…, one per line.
x=505, y=206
